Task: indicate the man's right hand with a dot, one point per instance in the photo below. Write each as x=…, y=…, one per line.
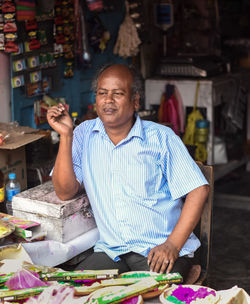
x=60, y=120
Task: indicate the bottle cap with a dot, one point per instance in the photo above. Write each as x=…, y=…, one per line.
x=12, y=175
x=202, y=123
x=74, y=114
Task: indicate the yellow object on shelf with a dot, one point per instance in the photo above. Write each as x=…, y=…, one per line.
x=189, y=135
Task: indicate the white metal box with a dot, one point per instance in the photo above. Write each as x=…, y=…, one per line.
x=62, y=220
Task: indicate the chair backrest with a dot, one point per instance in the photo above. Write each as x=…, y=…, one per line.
x=206, y=224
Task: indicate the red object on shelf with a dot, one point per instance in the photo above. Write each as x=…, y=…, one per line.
x=11, y=47
x=9, y=27
x=95, y=5
x=8, y=7
x=30, y=25
x=34, y=44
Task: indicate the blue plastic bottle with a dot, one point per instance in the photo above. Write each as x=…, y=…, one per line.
x=12, y=188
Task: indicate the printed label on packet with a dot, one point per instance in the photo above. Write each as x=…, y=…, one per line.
x=79, y=275
x=20, y=293
x=174, y=277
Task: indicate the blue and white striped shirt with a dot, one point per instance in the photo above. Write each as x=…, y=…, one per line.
x=136, y=187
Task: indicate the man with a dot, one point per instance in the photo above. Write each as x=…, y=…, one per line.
x=136, y=174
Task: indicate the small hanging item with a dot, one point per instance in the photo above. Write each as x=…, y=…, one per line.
x=195, y=115
x=34, y=43
x=95, y=5
x=98, y=36
x=86, y=56
x=128, y=40
x=68, y=72
x=170, y=110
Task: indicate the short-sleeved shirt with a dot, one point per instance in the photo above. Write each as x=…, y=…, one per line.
x=135, y=188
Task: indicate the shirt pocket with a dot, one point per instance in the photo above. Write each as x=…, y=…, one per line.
x=142, y=181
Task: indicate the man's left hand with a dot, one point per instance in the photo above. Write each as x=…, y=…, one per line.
x=162, y=257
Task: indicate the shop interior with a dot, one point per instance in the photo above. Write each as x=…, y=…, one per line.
x=196, y=51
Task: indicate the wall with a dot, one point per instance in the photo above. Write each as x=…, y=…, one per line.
x=76, y=90
x=5, y=112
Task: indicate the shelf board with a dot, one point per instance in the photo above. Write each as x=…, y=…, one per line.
x=222, y=170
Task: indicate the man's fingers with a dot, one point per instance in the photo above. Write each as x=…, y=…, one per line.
x=54, y=113
x=156, y=264
x=150, y=256
x=164, y=265
x=170, y=266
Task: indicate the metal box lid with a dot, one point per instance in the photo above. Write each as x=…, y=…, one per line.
x=43, y=200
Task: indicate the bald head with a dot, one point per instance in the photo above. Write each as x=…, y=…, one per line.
x=129, y=72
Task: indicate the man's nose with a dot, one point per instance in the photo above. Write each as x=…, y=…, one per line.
x=109, y=97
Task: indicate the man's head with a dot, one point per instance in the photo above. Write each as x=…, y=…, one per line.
x=118, y=89
x=137, y=85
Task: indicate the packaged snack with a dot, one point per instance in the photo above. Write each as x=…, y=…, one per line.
x=33, y=62
x=80, y=275
x=164, y=278
x=123, y=292
x=10, y=295
x=35, y=76
x=17, y=81
x=19, y=65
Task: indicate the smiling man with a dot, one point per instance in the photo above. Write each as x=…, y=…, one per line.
x=146, y=192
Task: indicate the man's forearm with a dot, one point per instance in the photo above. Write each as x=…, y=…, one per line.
x=64, y=179
x=190, y=216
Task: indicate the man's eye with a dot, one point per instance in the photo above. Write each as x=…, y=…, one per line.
x=101, y=93
x=118, y=93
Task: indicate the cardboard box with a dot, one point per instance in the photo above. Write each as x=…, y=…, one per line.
x=12, y=152
x=14, y=161
x=62, y=220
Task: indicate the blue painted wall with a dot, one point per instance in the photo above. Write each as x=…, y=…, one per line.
x=76, y=90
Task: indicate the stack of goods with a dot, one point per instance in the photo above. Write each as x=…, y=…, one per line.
x=34, y=284
x=64, y=34
x=24, y=230
x=37, y=284
x=8, y=28
x=34, y=53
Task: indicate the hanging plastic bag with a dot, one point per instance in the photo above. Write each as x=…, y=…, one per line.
x=169, y=109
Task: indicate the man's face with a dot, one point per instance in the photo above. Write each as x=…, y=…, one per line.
x=114, y=105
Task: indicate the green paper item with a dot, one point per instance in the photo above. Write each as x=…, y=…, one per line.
x=144, y=285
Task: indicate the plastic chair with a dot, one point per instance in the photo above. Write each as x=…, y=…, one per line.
x=198, y=273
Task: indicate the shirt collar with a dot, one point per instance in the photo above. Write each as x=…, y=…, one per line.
x=136, y=131
x=99, y=126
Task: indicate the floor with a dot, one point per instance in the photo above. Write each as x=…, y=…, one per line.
x=230, y=253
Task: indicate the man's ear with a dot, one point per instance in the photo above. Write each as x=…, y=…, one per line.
x=136, y=100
